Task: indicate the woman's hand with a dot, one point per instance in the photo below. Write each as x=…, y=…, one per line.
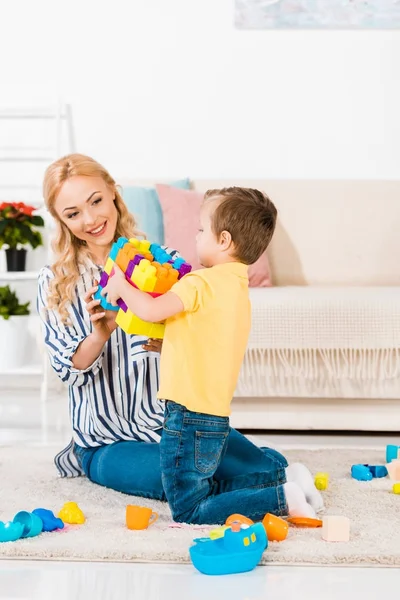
x=153, y=345
x=113, y=288
x=103, y=320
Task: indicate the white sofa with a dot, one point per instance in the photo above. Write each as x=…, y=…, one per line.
x=324, y=352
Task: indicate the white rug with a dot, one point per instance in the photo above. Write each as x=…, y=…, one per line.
x=28, y=480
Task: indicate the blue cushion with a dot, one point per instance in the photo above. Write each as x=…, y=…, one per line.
x=144, y=204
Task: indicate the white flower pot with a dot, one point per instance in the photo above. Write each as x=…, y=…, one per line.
x=15, y=342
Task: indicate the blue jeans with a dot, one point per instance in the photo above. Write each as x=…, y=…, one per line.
x=192, y=448
x=133, y=467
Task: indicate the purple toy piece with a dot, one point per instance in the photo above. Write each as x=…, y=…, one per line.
x=103, y=279
x=132, y=264
x=122, y=305
x=184, y=270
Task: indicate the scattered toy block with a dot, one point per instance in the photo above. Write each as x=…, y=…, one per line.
x=396, y=488
x=393, y=469
x=392, y=453
x=50, y=521
x=335, y=529
x=361, y=473
x=321, y=481
x=72, y=514
x=377, y=471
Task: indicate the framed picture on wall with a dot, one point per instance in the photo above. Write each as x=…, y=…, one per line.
x=317, y=14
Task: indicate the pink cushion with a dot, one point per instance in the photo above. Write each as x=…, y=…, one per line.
x=181, y=210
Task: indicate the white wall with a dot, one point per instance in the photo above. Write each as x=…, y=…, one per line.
x=169, y=87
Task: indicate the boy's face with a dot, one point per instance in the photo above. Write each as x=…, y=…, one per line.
x=208, y=247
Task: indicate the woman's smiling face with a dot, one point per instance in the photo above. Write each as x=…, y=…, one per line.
x=86, y=206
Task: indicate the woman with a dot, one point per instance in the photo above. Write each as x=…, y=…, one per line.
x=112, y=376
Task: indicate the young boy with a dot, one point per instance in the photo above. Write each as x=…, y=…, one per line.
x=208, y=317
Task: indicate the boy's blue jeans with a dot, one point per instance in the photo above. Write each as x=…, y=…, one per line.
x=133, y=467
x=192, y=448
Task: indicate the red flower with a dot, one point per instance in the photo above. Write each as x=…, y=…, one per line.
x=17, y=208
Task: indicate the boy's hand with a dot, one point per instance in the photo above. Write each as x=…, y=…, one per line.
x=114, y=286
x=153, y=345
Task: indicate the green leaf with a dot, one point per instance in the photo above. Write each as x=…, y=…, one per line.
x=38, y=221
x=9, y=304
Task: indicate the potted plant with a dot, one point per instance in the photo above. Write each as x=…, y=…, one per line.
x=18, y=228
x=13, y=329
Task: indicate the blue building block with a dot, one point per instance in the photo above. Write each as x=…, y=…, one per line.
x=377, y=471
x=391, y=452
x=155, y=249
x=361, y=473
x=178, y=262
x=10, y=532
x=50, y=521
x=121, y=241
x=159, y=254
x=103, y=302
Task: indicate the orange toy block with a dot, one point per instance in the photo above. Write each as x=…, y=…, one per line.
x=144, y=276
x=393, y=469
x=335, y=529
x=124, y=256
x=131, y=324
x=166, y=277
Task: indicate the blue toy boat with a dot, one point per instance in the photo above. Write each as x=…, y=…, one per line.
x=238, y=551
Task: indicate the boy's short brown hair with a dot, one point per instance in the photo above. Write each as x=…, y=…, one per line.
x=249, y=216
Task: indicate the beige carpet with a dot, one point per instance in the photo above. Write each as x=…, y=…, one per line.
x=28, y=481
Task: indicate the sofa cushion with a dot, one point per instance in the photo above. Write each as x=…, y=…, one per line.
x=181, y=209
x=144, y=204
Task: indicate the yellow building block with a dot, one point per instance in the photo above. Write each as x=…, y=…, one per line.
x=108, y=267
x=142, y=246
x=131, y=324
x=321, y=481
x=396, y=488
x=144, y=276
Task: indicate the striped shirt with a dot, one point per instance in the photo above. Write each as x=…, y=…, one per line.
x=115, y=398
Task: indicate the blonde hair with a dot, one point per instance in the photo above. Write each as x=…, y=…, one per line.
x=67, y=248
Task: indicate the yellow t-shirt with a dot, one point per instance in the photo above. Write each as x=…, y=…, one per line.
x=203, y=347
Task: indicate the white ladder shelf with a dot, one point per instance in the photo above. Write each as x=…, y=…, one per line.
x=60, y=117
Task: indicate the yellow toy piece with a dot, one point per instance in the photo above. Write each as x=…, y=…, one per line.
x=396, y=488
x=72, y=514
x=143, y=246
x=139, y=266
x=108, y=267
x=144, y=276
x=219, y=532
x=131, y=324
x=321, y=481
